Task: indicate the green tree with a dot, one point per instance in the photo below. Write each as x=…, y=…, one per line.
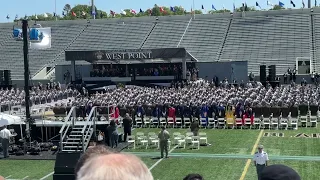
x=277, y=7
x=67, y=8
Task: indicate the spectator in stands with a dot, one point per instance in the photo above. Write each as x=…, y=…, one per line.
x=100, y=163
x=193, y=177
x=279, y=172
x=113, y=134
x=127, y=124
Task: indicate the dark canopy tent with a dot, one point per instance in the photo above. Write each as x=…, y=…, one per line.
x=172, y=55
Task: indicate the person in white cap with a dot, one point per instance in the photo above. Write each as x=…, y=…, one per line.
x=260, y=160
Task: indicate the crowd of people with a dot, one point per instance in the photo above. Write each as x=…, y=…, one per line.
x=120, y=70
x=39, y=94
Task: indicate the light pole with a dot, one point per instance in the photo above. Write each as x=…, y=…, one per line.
x=93, y=9
x=194, y=11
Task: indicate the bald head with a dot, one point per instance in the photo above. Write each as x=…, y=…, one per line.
x=114, y=167
x=2, y=178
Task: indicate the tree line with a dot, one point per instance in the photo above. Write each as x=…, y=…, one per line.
x=85, y=12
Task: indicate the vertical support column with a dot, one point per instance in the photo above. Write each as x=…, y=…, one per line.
x=73, y=71
x=26, y=76
x=184, y=68
x=127, y=71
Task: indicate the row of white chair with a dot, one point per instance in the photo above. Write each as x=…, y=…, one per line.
x=178, y=139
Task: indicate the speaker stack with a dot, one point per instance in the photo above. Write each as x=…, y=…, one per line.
x=272, y=73
x=263, y=74
x=65, y=165
x=7, y=77
x=1, y=78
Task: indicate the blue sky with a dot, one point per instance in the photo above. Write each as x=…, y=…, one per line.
x=29, y=7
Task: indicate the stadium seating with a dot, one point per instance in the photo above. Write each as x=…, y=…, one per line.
x=166, y=34
x=263, y=37
x=12, y=55
x=204, y=37
x=268, y=40
x=112, y=36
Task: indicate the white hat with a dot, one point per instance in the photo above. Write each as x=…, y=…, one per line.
x=260, y=147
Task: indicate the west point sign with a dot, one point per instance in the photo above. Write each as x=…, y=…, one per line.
x=135, y=54
x=126, y=55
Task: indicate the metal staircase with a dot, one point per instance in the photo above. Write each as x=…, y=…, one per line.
x=75, y=135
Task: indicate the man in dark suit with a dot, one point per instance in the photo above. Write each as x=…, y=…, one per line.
x=127, y=123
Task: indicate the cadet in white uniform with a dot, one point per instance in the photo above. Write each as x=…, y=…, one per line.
x=260, y=160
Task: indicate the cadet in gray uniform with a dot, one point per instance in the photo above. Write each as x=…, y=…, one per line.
x=260, y=160
x=164, y=136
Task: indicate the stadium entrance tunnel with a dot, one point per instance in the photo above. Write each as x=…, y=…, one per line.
x=130, y=57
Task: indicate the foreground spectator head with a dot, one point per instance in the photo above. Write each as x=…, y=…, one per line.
x=193, y=177
x=2, y=178
x=90, y=153
x=279, y=172
x=113, y=166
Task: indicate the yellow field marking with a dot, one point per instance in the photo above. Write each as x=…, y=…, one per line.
x=245, y=170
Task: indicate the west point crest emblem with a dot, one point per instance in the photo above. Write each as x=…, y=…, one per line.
x=99, y=55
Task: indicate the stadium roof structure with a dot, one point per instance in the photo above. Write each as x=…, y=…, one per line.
x=131, y=56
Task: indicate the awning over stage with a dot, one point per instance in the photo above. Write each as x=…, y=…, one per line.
x=131, y=55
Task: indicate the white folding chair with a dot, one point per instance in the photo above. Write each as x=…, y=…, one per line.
x=182, y=141
x=239, y=122
x=222, y=122
x=170, y=122
x=155, y=122
x=284, y=124
x=163, y=121
x=131, y=140
x=257, y=123
x=139, y=136
x=178, y=122
x=153, y=140
x=147, y=121
x=143, y=141
x=187, y=122
x=189, y=137
x=203, y=137
x=275, y=123
x=203, y=122
x=294, y=124
x=195, y=140
x=266, y=122
x=211, y=122
x=138, y=121
x=176, y=137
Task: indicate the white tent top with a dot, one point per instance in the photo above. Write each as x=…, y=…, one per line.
x=11, y=119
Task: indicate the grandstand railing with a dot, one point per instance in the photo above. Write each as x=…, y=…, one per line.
x=71, y=117
x=89, y=123
x=185, y=31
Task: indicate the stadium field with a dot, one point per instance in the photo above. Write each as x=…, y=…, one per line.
x=227, y=158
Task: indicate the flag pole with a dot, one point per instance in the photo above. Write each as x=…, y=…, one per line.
x=194, y=11
x=93, y=10
x=55, y=9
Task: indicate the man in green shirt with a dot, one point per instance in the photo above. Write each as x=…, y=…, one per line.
x=164, y=136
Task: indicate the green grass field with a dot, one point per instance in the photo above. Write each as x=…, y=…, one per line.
x=228, y=157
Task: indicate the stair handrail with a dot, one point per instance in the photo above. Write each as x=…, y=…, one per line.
x=66, y=122
x=89, y=119
x=185, y=31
